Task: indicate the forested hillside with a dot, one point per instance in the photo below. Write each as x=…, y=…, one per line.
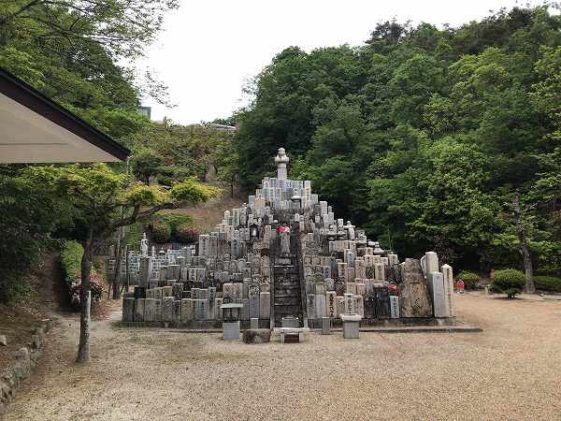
x=82, y=54
x=426, y=136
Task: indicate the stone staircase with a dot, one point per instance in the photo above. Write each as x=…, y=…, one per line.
x=287, y=298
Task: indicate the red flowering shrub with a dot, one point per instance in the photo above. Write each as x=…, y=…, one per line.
x=186, y=234
x=96, y=286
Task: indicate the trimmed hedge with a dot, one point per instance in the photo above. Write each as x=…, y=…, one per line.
x=470, y=279
x=547, y=283
x=508, y=281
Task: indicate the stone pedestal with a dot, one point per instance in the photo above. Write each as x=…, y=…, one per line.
x=231, y=331
x=351, y=324
x=325, y=325
x=254, y=323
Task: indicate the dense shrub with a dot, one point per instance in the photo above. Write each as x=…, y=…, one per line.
x=161, y=231
x=508, y=281
x=186, y=234
x=547, y=283
x=71, y=258
x=470, y=279
x=174, y=220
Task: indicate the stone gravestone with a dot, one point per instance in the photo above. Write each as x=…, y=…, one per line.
x=370, y=307
x=415, y=301
x=331, y=304
x=394, y=307
x=449, y=289
x=382, y=303
x=253, y=295
x=436, y=287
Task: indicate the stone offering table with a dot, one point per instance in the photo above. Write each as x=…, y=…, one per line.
x=291, y=334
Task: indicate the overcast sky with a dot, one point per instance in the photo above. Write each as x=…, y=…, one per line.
x=210, y=48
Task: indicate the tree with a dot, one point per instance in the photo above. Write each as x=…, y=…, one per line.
x=102, y=201
x=146, y=163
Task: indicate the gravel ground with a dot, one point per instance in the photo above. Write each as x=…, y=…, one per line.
x=509, y=371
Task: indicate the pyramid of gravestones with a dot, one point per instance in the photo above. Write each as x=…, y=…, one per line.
x=283, y=254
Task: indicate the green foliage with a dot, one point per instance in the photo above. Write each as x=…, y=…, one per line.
x=146, y=163
x=508, y=281
x=71, y=258
x=548, y=283
x=29, y=215
x=470, y=279
x=423, y=135
x=174, y=220
x=161, y=231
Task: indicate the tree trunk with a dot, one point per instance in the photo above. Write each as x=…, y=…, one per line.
x=116, y=275
x=85, y=301
x=523, y=246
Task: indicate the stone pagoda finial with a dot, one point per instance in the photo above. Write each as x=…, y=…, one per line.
x=282, y=160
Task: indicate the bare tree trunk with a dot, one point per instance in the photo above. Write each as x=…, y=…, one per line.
x=116, y=275
x=523, y=246
x=85, y=301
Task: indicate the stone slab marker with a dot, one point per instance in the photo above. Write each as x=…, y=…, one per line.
x=186, y=310
x=429, y=263
x=177, y=311
x=167, y=309
x=128, y=309
x=311, y=305
x=150, y=309
x=331, y=302
x=415, y=299
x=436, y=286
x=449, y=289
x=394, y=307
x=320, y=306
x=254, y=299
x=139, y=309
x=340, y=305
x=264, y=305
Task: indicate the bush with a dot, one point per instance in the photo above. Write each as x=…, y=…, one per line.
x=508, y=281
x=470, y=279
x=71, y=258
x=161, y=231
x=186, y=234
x=547, y=283
x=174, y=220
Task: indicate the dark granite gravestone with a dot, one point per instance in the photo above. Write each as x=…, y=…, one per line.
x=139, y=292
x=382, y=297
x=370, y=307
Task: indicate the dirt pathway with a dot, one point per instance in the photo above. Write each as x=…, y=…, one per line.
x=510, y=371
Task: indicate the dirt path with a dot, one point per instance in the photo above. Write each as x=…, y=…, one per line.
x=510, y=371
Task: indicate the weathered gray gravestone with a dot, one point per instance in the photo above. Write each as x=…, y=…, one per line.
x=415, y=300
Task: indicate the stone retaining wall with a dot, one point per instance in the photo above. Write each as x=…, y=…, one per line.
x=26, y=359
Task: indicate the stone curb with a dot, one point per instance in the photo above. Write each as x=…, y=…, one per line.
x=26, y=359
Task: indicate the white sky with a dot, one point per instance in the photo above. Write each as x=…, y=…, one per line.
x=210, y=48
